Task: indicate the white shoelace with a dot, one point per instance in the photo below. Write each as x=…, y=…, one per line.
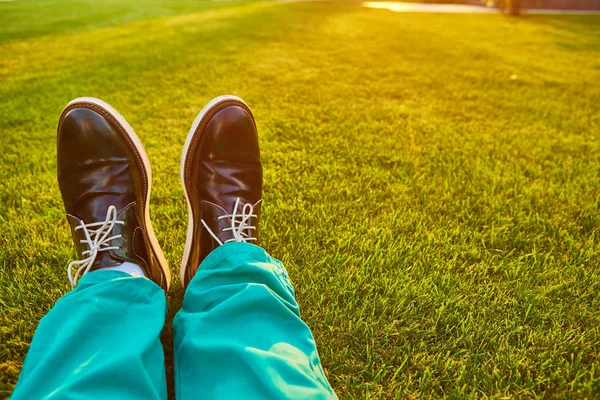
x=97, y=240
x=237, y=227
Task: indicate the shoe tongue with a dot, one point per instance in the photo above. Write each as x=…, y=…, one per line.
x=104, y=259
x=222, y=227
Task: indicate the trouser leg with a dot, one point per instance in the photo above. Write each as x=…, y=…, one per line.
x=239, y=333
x=99, y=341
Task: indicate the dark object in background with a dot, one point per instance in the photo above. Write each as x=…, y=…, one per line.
x=514, y=7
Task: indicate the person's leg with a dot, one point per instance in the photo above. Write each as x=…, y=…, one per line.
x=239, y=333
x=99, y=341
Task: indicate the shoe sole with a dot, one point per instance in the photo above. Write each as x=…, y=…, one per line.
x=199, y=118
x=162, y=261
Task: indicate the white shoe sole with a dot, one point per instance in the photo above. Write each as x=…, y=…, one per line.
x=162, y=261
x=199, y=118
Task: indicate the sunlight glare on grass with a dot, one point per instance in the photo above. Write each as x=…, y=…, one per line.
x=424, y=7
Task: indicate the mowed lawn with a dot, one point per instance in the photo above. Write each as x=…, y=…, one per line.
x=432, y=181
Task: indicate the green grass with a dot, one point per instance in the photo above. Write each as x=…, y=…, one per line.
x=431, y=181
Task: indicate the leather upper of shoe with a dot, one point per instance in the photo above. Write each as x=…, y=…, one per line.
x=99, y=166
x=222, y=165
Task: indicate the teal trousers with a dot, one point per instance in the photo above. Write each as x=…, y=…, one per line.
x=238, y=336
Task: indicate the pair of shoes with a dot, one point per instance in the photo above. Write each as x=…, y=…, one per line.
x=105, y=180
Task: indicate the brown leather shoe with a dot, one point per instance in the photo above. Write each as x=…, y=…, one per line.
x=221, y=175
x=104, y=177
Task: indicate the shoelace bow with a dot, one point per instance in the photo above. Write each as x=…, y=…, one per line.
x=239, y=223
x=97, y=240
